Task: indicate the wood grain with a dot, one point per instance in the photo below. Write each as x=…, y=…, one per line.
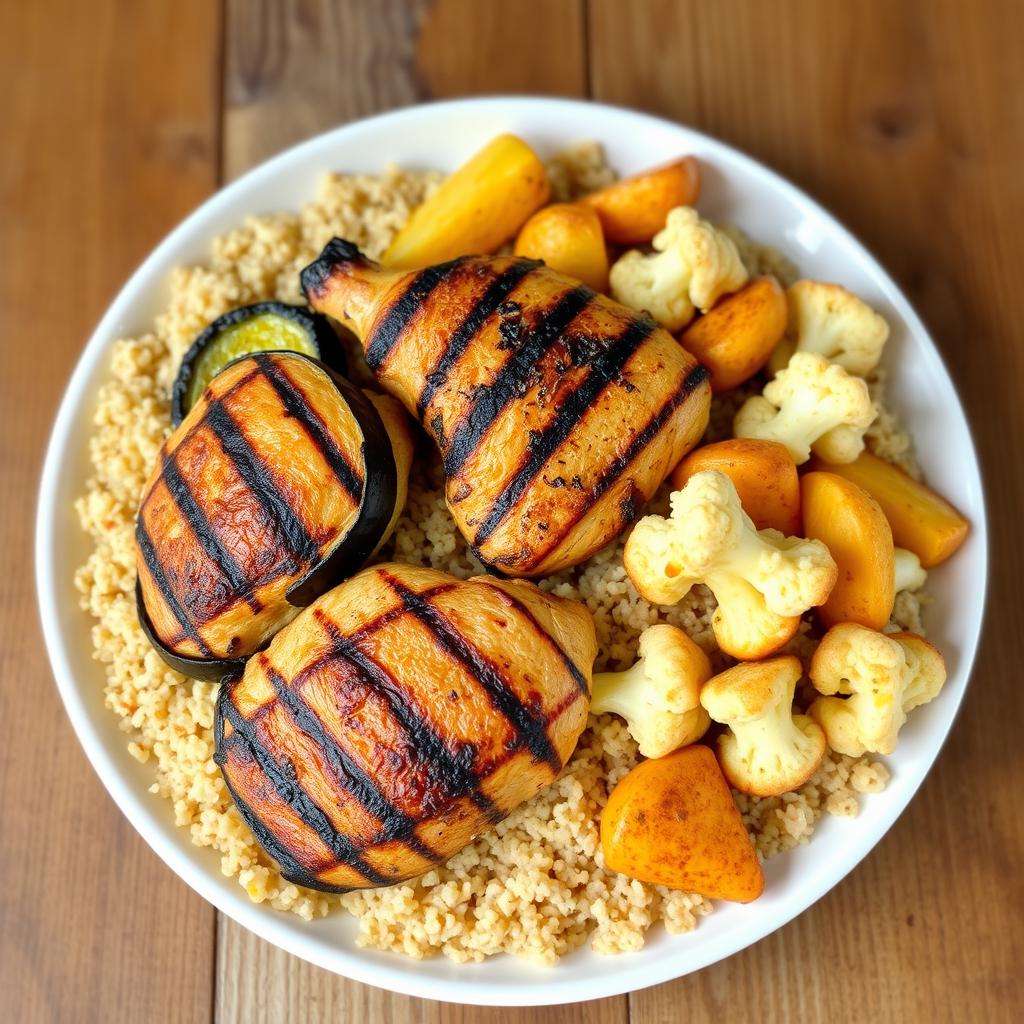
x=906, y=120
x=104, y=149
x=275, y=95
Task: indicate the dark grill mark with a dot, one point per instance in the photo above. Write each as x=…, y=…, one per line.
x=240, y=586
x=200, y=423
x=347, y=774
x=289, y=790
x=508, y=384
x=529, y=726
x=454, y=772
x=299, y=408
x=571, y=667
x=617, y=467
x=156, y=571
x=604, y=369
x=386, y=334
x=485, y=308
x=258, y=479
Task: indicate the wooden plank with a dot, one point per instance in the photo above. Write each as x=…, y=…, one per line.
x=109, y=124
x=905, y=120
x=293, y=70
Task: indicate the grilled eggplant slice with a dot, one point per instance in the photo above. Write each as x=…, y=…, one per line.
x=400, y=716
x=261, y=327
x=558, y=412
x=283, y=479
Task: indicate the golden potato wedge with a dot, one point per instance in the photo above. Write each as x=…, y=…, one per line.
x=921, y=520
x=673, y=821
x=854, y=528
x=763, y=473
x=476, y=209
x=569, y=239
x=735, y=337
x=634, y=210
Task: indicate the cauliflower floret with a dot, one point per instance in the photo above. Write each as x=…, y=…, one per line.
x=692, y=266
x=763, y=581
x=881, y=679
x=767, y=750
x=907, y=569
x=659, y=697
x=835, y=323
x=811, y=403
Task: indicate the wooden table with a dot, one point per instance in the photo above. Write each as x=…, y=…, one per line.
x=906, y=119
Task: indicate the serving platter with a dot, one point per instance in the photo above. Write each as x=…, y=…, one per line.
x=735, y=189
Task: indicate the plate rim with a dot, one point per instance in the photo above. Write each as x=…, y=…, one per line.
x=395, y=976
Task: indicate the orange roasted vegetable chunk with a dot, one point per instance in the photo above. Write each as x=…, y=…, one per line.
x=921, y=520
x=634, y=210
x=853, y=527
x=569, y=239
x=763, y=473
x=672, y=821
x=476, y=209
x=735, y=337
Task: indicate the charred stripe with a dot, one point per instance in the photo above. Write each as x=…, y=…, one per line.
x=288, y=789
x=347, y=774
x=455, y=771
x=485, y=308
x=299, y=407
x=258, y=479
x=571, y=667
x=530, y=728
x=206, y=534
x=472, y=428
x=603, y=370
x=156, y=571
x=373, y=625
x=387, y=332
x=618, y=466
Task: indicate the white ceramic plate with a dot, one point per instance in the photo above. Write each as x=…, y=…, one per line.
x=735, y=189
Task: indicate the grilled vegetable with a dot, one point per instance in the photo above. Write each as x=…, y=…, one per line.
x=283, y=479
x=477, y=209
x=558, y=412
x=263, y=327
x=399, y=717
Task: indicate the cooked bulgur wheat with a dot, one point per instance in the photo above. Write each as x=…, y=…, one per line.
x=535, y=885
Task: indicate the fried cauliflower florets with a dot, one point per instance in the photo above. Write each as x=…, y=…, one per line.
x=833, y=322
x=762, y=580
x=767, y=750
x=812, y=403
x=692, y=266
x=878, y=678
x=659, y=697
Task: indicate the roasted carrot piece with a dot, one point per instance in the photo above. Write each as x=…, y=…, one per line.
x=735, y=337
x=853, y=527
x=634, y=210
x=921, y=520
x=673, y=821
x=763, y=473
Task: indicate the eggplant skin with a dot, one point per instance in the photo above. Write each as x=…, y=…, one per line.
x=557, y=411
x=323, y=339
x=398, y=717
x=281, y=480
